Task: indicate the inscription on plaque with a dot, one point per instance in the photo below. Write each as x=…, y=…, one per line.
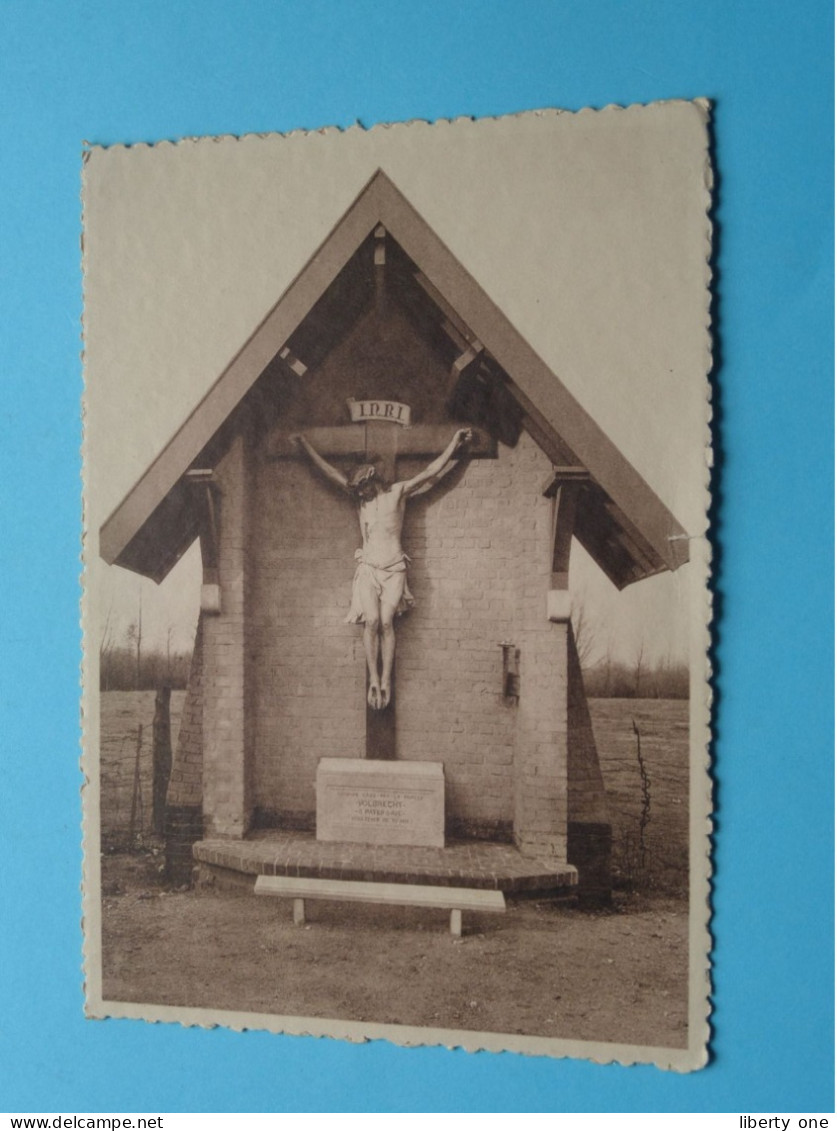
x=363, y=801
x=392, y=411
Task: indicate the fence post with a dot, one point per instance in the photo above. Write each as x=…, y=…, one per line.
x=136, y=794
x=161, y=758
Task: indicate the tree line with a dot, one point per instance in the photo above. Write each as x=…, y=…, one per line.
x=121, y=668
x=128, y=665
x=613, y=679
x=118, y=670
x=638, y=678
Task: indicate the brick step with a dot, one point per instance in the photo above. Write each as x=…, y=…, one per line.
x=465, y=864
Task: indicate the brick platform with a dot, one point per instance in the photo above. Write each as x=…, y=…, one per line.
x=476, y=864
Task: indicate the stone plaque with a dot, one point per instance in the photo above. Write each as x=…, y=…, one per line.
x=363, y=801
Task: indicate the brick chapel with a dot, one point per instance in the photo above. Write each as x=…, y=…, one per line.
x=487, y=677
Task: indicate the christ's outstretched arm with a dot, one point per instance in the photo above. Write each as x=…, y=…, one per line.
x=380, y=584
x=331, y=473
x=435, y=470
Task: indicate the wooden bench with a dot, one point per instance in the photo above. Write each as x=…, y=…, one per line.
x=455, y=900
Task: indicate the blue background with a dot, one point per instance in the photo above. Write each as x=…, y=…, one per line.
x=130, y=71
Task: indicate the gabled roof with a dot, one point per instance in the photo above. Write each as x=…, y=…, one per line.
x=623, y=524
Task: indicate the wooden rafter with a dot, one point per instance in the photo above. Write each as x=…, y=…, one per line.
x=380, y=262
x=293, y=363
x=206, y=493
x=564, y=487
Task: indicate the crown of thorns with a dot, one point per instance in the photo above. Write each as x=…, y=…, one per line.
x=362, y=476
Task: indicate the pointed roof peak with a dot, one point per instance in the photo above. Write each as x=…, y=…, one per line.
x=633, y=536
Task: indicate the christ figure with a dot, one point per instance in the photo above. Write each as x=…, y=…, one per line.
x=380, y=591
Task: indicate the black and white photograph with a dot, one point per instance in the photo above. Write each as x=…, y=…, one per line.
x=396, y=592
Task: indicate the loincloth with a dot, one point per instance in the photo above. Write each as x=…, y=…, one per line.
x=389, y=583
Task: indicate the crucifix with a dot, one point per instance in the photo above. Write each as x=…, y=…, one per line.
x=380, y=591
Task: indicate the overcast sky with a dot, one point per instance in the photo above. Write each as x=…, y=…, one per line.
x=588, y=230
x=650, y=615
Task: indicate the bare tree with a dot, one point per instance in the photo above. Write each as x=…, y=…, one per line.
x=584, y=632
x=133, y=635
x=106, y=647
x=168, y=652
x=139, y=640
x=607, y=666
x=639, y=668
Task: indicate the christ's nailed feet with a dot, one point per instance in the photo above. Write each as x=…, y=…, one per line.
x=374, y=697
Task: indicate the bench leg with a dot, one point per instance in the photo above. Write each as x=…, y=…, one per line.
x=456, y=923
x=299, y=912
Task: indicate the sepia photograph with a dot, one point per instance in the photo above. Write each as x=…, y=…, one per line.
x=396, y=592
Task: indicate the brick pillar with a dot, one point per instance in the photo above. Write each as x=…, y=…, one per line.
x=540, y=812
x=560, y=804
x=561, y=808
x=184, y=816
x=588, y=828
x=226, y=788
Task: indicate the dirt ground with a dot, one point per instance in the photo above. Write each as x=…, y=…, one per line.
x=545, y=969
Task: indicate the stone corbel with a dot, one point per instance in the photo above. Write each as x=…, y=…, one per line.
x=207, y=496
x=564, y=487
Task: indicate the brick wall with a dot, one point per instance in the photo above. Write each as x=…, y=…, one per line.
x=541, y=749
x=480, y=549
x=284, y=678
x=186, y=781
x=308, y=680
x=480, y=572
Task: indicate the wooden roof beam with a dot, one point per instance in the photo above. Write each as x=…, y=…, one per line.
x=561, y=475
x=292, y=362
x=467, y=362
x=554, y=418
x=380, y=261
x=619, y=479
x=450, y=316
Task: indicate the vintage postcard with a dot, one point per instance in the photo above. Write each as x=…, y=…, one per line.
x=396, y=594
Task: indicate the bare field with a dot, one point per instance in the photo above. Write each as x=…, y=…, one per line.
x=651, y=857
x=123, y=713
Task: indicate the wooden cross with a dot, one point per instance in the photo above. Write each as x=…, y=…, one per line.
x=386, y=442
x=383, y=440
